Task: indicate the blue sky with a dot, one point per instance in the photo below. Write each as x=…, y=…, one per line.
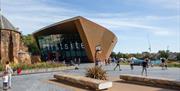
x=131, y=20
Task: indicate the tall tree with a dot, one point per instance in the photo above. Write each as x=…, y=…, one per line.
x=120, y=55
x=113, y=54
x=163, y=54
x=30, y=42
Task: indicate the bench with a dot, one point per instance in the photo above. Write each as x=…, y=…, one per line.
x=154, y=81
x=84, y=81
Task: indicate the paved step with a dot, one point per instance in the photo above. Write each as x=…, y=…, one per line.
x=85, y=81
x=155, y=81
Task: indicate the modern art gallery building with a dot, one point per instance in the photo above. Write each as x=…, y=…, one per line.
x=75, y=38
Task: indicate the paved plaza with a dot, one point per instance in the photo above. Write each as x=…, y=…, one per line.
x=42, y=81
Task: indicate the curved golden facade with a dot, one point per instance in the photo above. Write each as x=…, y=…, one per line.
x=90, y=33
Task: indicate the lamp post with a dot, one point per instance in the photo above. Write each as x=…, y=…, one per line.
x=97, y=50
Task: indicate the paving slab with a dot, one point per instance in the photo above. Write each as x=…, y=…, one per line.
x=43, y=82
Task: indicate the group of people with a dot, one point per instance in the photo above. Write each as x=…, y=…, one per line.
x=145, y=64
x=8, y=71
x=7, y=74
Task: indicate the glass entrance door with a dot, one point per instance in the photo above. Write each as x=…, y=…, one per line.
x=62, y=47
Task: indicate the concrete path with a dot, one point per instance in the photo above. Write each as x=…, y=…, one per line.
x=44, y=82
x=171, y=73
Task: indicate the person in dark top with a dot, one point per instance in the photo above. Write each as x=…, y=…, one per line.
x=79, y=61
x=106, y=62
x=109, y=60
x=163, y=60
x=163, y=64
x=76, y=64
x=118, y=65
x=132, y=64
x=144, y=66
x=96, y=62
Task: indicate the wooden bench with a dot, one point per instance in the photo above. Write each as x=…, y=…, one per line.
x=154, y=81
x=84, y=81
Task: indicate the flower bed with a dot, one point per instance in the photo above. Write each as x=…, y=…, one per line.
x=34, y=66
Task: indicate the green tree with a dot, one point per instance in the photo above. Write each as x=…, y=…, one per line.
x=113, y=54
x=120, y=55
x=126, y=56
x=137, y=55
x=30, y=42
x=163, y=54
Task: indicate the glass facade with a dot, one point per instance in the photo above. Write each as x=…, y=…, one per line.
x=60, y=47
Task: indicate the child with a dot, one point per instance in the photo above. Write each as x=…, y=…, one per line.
x=5, y=81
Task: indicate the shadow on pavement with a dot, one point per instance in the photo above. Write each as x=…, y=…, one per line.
x=72, y=85
x=163, y=88
x=167, y=90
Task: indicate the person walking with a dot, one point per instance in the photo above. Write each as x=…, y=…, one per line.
x=109, y=60
x=132, y=64
x=9, y=71
x=144, y=66
x=118, y=65
x=106, y=62
x=97, y=62
x=76, y=64
x=79, y=61
x=163, y=63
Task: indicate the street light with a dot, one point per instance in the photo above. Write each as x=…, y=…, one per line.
x=97, y=50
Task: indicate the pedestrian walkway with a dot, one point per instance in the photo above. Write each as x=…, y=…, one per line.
x=42, y=81
x=171, y=73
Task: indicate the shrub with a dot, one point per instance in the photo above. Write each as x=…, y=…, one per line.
x=36, y=66
x=96, y=72
x=1, y=67
x=174, y=64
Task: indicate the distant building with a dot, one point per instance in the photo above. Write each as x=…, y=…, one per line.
x=10, y=42
x=73, y=39
x=172, y=56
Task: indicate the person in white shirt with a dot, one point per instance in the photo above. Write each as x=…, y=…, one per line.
x=9, y=71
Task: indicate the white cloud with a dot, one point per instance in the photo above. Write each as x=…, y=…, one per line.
x=168, y=4
x=37, y=14
x=31, y=15
x=116, y=24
